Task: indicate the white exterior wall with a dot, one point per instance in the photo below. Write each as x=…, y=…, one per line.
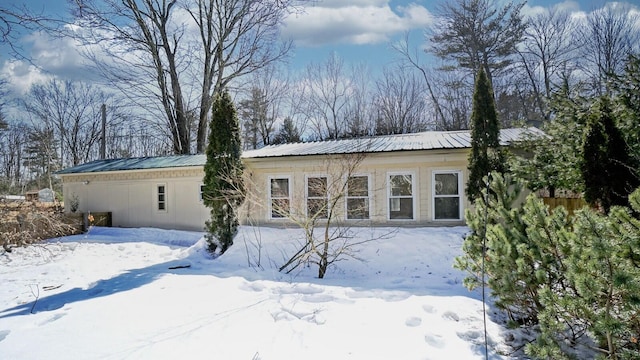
x=131, y=197
x=420, y=164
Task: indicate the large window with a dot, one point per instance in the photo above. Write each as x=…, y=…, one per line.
x=358, y=197
x=279, y=197
x=401, y=191
x=447, y=197
x=161, y=192
x=317, y=197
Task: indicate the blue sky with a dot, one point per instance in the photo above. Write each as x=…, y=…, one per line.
x=358, y=31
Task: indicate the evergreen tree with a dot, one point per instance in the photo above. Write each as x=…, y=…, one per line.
x=524, y=247
x=602, y=308
x=486, y=155
x=608, y=171
x=288, y=133
x=628, y=115
x=223, y=186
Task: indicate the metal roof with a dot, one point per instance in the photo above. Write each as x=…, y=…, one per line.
x=140, y=163
x=428, y=140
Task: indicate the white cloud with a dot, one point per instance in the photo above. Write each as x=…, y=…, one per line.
x=341, y=3
x=358, y=22
x=20, y=75
x=57, y=56
x=568, y=5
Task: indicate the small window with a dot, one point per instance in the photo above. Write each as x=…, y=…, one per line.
x=401, y=201
x=279, y=197
x=201, y=192
x=447, y=197
x=162, y=197
x=358, y=197
x=317, y=197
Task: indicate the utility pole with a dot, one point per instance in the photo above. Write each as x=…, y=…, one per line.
x=103, y=138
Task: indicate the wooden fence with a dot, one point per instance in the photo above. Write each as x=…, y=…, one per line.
x=571, y=204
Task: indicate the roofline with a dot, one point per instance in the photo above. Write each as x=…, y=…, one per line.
x=129, y=170
x=359, y=152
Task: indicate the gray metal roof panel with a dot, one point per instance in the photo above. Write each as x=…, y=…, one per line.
x=140, y=163
x=429, y=140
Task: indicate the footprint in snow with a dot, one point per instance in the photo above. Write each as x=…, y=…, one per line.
x=470, y=335
x=413, y=321
x=53, y=318
x=434, y=340
x=3, y=334
x=450, y=315
x=429, y=308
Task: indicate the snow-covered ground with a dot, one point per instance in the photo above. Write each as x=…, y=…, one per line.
x=125, y=294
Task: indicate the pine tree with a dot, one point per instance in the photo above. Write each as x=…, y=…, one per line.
x=608, y=171
x=486, y=155
x=524, y=247
x=223, y=187
x=555, y=158
x=600, y=306
x=288, y=133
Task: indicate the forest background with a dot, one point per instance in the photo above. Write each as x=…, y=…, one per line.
x=151, y=68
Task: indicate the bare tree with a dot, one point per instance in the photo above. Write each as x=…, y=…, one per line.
x=548, y=49
x=455, y=94
x=41, y=156
x=14, y=18
x=326, y=97
x=474, y=34
x=189, y=50
x=12, y=144
x=327, y=237
x=256, y=126
x=400, y=102
x=609, y=36
x=263, y=107
x=359, y=115
x=72, y=111
x=410, y=56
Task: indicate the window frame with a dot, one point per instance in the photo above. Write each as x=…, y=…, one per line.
x=271, y=198
x=414, y=194
x=164, y=201
x=348, y=197
x=307, y=197
x=201, y=193
x=460, y=194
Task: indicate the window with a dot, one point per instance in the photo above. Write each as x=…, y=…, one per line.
x=317, y=197
x=358, y=197
x=201, y=192
x=162, y=197
x=447, y=197
x=401, y=202
x=280, y=197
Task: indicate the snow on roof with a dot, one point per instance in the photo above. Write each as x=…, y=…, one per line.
x=428, y=140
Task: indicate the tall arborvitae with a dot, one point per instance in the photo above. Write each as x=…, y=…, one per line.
x=223, y=187
x=486, y=155
x=609, y=173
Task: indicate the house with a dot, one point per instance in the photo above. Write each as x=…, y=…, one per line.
x=408, y=179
